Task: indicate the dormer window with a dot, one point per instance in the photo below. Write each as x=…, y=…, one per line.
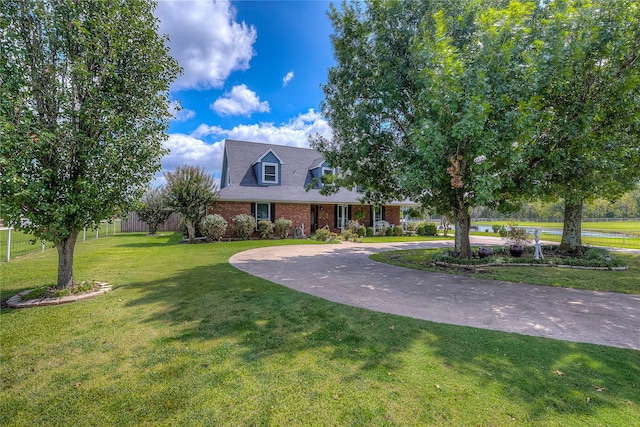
x=268, y=169
x=270, y=173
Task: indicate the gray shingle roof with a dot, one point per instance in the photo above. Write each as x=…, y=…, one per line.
x=239, y=182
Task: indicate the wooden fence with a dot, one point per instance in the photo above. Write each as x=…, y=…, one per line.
x=134, y=224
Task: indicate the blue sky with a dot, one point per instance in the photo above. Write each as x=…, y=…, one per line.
x=252, y=71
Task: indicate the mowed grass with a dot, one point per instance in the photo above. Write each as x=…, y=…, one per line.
x=626, y=281
x=186, y=339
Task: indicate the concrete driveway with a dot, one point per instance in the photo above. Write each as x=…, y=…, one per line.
x=345, y=274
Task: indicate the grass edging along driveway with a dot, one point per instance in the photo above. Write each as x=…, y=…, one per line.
x=623, y=281
x=186, y=339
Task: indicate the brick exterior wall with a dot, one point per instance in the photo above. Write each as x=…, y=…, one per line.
x=392, y=215
x=297, y=213
x=300, y=213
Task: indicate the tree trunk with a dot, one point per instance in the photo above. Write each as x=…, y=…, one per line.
x=65, y=261
x=572, y=229
x=463, y=224
x=191, y=230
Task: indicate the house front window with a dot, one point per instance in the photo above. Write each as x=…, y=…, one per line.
x=270, y=173
x=263, y=211
x=377, y=212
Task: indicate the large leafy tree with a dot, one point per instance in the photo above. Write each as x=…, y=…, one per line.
x=83, y=113
x=588, y=81
x=425, y=102
x=190, y=191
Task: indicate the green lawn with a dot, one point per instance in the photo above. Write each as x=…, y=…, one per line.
x=186, y=339
x=610, y=281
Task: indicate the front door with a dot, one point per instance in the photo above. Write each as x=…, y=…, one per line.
x=314, y=218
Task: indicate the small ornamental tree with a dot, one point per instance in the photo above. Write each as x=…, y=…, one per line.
x=153, y=210
x=84, y=110
x=190, y=191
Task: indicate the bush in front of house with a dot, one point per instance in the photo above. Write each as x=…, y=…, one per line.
x=362, y=231
x=325, y=235
x=352, y=225
x=265, y=228
x=397, y=230
x=283, y=227
x=430, y=230
x=370, y=232
x=244, y=225
x=213, y=226
x=382, y=227
x=347, y=235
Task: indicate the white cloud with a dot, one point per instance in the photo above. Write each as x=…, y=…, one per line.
x=180, y=114
x=296, y=132
x=206, y=130
x=286, y=79
x=206, y=40
x=191, y=150
x=241, y=101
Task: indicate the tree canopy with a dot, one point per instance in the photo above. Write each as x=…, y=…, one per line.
x=465, y=104
x=83, y=112
x=587, y=141
x=190, y=191
x=425, y=102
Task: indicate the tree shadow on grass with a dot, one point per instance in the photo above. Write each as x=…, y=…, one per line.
x=258, y=323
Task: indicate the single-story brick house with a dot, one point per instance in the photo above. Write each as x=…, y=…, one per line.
x=270, y=182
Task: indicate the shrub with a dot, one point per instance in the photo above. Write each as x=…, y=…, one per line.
x=213, y=226
x=362, y=231
x=382, y=227
x=502, y=231
x=420, y=230
x=323, y=234
x=397, y=230
x=389, y=232
x=496, y=228
x=265, y=228
x=352, y=226
x=283, y=227
x=596, y=254
x=517, y=235
x=370, y=232
x=430, y=230
x=347, y=235
x=244, y=225
x=412, y=226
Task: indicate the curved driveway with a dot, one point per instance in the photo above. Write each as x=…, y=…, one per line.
x=345, y=274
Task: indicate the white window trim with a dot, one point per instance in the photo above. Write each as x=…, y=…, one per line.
x=264, y=167
x=268, y=212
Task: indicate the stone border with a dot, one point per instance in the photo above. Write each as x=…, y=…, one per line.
x=14, y=301
x=508, y=264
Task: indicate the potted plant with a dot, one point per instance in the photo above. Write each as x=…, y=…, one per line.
x=517, y=238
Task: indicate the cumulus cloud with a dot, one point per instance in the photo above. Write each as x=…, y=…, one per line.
x=241, y=101
x=194, y=150
x=296, y=132
x=206, y=40
x=286, y=79
x=206, y=130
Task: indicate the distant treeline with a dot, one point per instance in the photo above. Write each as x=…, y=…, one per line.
x=626, y=206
